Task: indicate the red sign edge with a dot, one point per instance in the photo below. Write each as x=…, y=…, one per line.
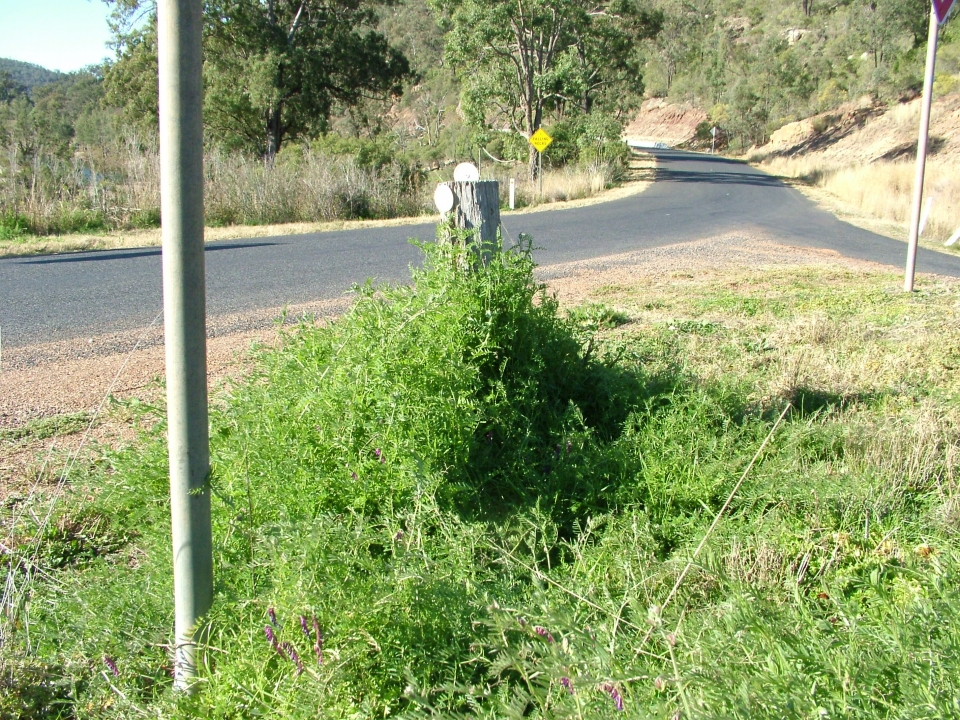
x=942, y=9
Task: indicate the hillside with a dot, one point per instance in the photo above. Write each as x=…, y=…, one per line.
x=859, y=160
x=865, y=132
x=676, y=69
x=756, y=66
x=28, y=75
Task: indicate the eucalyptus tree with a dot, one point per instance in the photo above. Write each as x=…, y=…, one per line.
x=9, y=88
x=273, y=69
x=520, y=60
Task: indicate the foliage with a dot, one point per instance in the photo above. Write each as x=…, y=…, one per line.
x=27, y=75
x=131, y=84
x=9, y=88
x=40, y=132
x=774, y=62
x=483, y=503
x=273, y=70
x=522, y=61
x=75, y=165
x=13, y=226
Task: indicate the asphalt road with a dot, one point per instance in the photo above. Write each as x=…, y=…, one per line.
x=58, y=297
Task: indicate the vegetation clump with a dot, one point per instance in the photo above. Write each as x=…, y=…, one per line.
x=459, y=500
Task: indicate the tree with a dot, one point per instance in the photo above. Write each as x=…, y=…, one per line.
x=131, y=83
x=521, y=59
x=273, y=68
x=297, y=57
x=9, y=89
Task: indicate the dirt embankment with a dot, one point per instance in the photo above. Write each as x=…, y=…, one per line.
x=856, y=133
x=865, y=131
x=661, y=122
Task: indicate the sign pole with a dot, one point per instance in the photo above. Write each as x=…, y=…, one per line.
x=540, y=140
x=179, y=27
x=921, y=152
x=540, y=172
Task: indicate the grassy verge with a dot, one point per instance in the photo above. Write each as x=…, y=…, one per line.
x=564, y=188
x=878, y=196
x=459, y=499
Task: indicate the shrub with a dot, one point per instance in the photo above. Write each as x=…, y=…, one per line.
x=13, y=225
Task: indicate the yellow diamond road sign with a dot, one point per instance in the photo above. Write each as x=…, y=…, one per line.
x=540, y=140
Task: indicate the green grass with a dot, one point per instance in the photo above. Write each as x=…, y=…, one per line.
x=47, y=427
x=484, y=500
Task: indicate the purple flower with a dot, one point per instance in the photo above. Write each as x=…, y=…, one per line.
x=268, y=631
x=399, y=536
x=379, y=455
x=318, y=645
x=303, y=626
x=273, y=617
x=354, y=475
x=292, y=654
x=565, y=681
x=614, y=694
x=543, y=632
x=108, y=661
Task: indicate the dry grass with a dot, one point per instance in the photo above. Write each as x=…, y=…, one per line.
x=272, y=195
x=561, y=185
x=882, y=190
x=117, y=188
x=886, y=362
x=308, y=187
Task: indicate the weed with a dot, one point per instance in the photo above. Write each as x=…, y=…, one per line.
x=597, y=316
x=458, y=500
x=13, y=226
x=47, y=427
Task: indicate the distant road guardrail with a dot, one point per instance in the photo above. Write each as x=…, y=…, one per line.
x=648, y=144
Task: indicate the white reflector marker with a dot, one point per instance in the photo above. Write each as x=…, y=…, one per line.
x=466, y=172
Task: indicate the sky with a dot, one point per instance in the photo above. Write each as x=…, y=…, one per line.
x=63, y=35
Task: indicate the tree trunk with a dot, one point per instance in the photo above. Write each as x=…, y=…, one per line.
x=476, y=207
x=533, y=124
x=274, y=133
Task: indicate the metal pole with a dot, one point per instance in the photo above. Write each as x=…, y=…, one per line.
x=179, y=25
x=921, y=153
x=540, y=172
x=513, y=193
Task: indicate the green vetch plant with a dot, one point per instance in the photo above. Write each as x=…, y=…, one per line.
x=459, y=500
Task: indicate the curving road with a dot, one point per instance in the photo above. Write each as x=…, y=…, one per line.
x=59, y=297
